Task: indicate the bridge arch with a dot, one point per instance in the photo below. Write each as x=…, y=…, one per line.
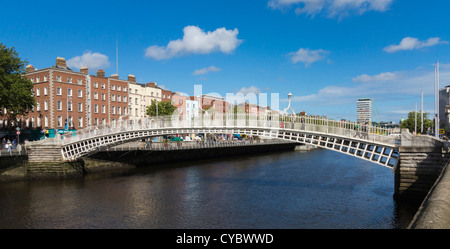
x=368, y=148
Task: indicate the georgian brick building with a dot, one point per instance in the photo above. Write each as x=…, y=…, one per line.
x=71, y=100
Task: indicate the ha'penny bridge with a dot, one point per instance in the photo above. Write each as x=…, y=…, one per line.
x=415, y=160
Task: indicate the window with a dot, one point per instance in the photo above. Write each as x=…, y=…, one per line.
x=38, y=92
x=45, y=78
x=58, y=91
x=46, y=105
x=69, y=79
x=38, y=106
x=113, y=109
x=80, y=93
x=135, y=91
x=152, y=94
x=69, y=92
x=32, y=80
x=125, y=99
x=59, y=121
x=38, y=79
x=119, y=98
x=164, y=96
x=95, y=85
x=69, y=106
x=59, y=105
x=119, y=111
x=118, y=88
x=80, y=81
x=168, y=96
x=95, y=95
x=124, y=89
x=113, y=87
x=80, y=107
x=136, y=101
x=181, y=102
x=38, y=121
x=103, y=109
x=80, y=121
x=95, y=121
x=58, y=78
x=45, y=91
x=95, y=108
x=103, y=96
x=46, y=121
x=113, y=97
x=103, y=86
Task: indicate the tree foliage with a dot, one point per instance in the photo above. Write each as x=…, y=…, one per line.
x=164, y=108
x=410, y=123
x=15, y=89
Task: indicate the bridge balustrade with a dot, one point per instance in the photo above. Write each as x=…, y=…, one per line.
x=274, y=121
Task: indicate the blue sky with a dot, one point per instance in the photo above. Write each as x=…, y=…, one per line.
x=327, y=53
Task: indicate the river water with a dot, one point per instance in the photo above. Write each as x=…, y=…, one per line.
x=295, y=189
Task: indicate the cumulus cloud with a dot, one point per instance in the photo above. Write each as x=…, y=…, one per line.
x=308, y=56
x=379, y=77
x=90, y=60
x=332, y=7
x=206, y=70
x=197, y=41
x=410, y=43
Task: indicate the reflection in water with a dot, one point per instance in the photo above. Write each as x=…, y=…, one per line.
x=315, y=189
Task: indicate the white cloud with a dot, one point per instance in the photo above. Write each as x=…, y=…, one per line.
x=308, y=56
x=196, y=41
x=90, y=60
x=410, y=43
x=391, y=91
x=206, y=70
x=332, y=7
x=378, y=77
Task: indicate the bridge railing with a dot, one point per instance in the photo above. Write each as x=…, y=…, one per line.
x=242, y=120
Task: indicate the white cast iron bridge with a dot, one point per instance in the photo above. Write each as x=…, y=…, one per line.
x=370, y=143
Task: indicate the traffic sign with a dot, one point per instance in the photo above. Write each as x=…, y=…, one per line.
x=441, y=131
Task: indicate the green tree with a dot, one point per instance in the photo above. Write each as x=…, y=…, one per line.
x=409, y=123
x=15, y=89
x=164, y=108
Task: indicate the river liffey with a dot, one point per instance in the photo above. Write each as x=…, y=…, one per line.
x=316, y=189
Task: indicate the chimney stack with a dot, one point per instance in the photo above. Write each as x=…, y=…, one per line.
x=84, y=70
x=151, y=84
x=131, y=78
x=114, y=76
x=60, y=61
x=101, y=73
x=29, y=68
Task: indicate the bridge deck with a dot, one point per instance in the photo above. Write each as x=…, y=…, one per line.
x=366, y=142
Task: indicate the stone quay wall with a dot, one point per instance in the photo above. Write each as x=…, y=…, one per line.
x=434, y=213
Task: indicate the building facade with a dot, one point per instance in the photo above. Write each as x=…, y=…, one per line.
x=70, y=100
x=364, y=111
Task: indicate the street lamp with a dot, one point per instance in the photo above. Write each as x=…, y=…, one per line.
x=289, y=106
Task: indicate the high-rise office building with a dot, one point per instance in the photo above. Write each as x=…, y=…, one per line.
x=364, y=111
